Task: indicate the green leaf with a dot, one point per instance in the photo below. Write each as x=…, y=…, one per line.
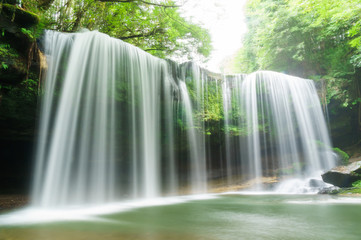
x=4, y=65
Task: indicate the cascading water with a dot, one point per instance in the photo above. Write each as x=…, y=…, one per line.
x=286, y=123
x=117, y=123
x=231, y=98
x=283, y=131
x=106, y=109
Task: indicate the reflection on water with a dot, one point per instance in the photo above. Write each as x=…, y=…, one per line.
x=233, y=216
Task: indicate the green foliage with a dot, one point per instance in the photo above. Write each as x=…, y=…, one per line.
x=206, y=96
x=4, y=65
x=350, y=191
x=312, y=39
x=291, y=170
x=298, y=37
x=18, y=104
x=357, y=184
x=7, y=52
x=156, y=27
x=343, y=157
x=233, y=130
x=26, y=90
x=31, y=85
x=27, y=32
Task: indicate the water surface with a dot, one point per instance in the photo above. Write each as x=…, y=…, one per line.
x=231, y=216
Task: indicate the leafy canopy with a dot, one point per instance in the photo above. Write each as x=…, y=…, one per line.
x=318, y=39
x=154, y=26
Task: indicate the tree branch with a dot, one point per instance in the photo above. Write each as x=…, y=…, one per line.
x=142, y=1
x=153, y=32
x=135, y=36
x=154, y=49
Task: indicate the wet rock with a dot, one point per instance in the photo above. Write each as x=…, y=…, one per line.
x=17, y=28
x=19, y=16
x=17, y=41
x=358, y=171
x=315, y=183
x=330, y=190
x=13, y=68
x=19, y=72
x=343, y=176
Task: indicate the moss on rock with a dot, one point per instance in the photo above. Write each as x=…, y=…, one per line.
x=21, y=17
x=343, y=157
x=19, y=72
x=13, y=68
x=17, y=28
x=350, y=191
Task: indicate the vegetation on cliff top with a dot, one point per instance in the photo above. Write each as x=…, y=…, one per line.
x=315, y=39
x=154, y=26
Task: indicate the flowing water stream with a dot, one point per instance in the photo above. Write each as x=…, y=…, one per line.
x=233, y=216
x=119, y=125
x=114, y=118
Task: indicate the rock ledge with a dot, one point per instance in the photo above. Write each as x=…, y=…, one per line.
x=343, y=176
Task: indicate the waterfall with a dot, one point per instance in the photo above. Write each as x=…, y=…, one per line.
x=105, y=109
x=117, y=123
x=286, y=124
x=231, y=98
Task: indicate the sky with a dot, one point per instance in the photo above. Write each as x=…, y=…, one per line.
x=225, y=21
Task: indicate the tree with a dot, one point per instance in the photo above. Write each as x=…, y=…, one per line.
x=155, y=27
x=317, y=39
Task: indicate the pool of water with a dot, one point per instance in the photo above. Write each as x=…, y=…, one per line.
x=227, y=216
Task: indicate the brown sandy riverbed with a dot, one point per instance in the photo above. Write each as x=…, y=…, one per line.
x=12, y=201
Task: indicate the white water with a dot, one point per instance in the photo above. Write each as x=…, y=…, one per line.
x=117, y=124
x=231, y=97
x=285, y=127
x=294, y=112
x=79, y=152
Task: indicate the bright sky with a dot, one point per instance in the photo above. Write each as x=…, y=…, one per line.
x=225, y=21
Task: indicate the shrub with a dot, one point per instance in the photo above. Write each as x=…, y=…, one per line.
x=357, y=184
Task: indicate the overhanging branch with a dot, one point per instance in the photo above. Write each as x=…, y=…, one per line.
x=141, y=35
x=141, y=1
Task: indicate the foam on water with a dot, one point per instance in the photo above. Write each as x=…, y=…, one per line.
x=118, y=124
x=33, y=215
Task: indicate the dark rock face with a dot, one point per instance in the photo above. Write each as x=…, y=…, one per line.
x=11, y=1
x=16, y=166
x=17, y=43
x=343, y=176
x=16, y=69
x=19, y=72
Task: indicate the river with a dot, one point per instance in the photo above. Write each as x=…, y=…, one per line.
x=225, y=216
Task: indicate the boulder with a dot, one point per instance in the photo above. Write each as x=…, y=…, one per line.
x=330, y=190
x=315, y=183
x=343, y=176
x=19, y=16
